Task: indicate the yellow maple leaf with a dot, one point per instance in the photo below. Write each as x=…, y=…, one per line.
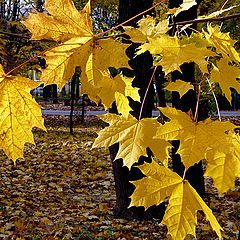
x=180, y=217
x=19, y=114
x=222, y=167
x=195, y=138
x=222, y=42
x=226, y=75
x=133, y=136
x=180, y=86
x=63, y=23
x=147, y=29
x=122, y=104
x=187, y=4
x=131, y=91
x=79, y=47
x=175, y=52
x=209, y=140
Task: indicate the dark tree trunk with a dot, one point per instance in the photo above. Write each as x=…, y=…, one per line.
x=83, y=107
x=78, y=88
x=55, y=93
x=47, y=92
x=159, y=80
x=73, y=96
x=188, y=102
x=142, y=71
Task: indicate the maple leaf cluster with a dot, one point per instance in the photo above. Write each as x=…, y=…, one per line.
x=77, y=45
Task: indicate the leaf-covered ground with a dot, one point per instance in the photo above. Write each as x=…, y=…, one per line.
x=63, y=189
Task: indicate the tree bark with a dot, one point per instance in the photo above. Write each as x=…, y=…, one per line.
x=142, y=71
x=188, y=102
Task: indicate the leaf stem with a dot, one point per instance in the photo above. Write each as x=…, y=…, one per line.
x=198, y=98
x=184, y=174
x=197, y=105
x=32, y=59
x=144, y=99
x=215, y=98
x=119, y=25
x=224, y=5
x=25, y=37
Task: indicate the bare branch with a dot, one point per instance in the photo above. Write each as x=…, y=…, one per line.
x=205, y=20
x=118, y=35
x=24, y=37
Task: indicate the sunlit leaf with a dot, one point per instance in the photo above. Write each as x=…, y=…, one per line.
x=147, y=29
x=195, y=138
x=19, y=114
x=176, y=52
x=222, y=42
x=134, y=137
x=226, y=75
x=180, y=217
x=180, y=86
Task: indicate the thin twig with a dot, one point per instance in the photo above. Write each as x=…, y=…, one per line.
x=184, y=174
x=198, y=98
x=170, y=25
x=224, y=5
x=215, y=98
x=205, y=20
x=14, y=35
x=25, y=37
x=140, y=114
x=197, y=105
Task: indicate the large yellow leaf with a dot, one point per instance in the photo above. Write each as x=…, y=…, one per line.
x=226, y=75
x=209, y=139
x=19, y=114
x=180, y=217
x=222, y=168
x=176, y=52
x=64, y=23
x=79, y=48
x=222, y=42
x=195, y=138
x=147, y=29
x=180, y=86
x=133, y=136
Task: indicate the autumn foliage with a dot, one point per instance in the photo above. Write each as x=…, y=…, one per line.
x=216, y=141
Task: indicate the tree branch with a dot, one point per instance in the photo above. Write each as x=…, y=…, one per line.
x=205, y=20
x=24, y=37
x=215, y=19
